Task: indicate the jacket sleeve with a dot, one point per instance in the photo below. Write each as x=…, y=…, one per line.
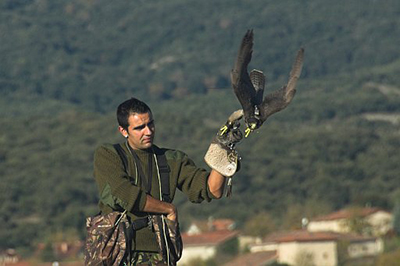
x=192, y=180
x=114, y=186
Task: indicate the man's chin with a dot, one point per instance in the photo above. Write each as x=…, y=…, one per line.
x=147, y=145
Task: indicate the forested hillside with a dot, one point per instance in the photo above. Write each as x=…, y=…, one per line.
x=65, y=66
x=98, y=52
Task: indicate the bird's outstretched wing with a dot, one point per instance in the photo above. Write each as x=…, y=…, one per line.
x=280, y=99
x=241, y=83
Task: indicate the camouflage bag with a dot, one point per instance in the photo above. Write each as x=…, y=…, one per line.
x=108, y=239
x=168, y=238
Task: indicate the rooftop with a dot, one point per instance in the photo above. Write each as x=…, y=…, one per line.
x=208, y=238
x=348, y=213
x=254, y=259
x=306, y=236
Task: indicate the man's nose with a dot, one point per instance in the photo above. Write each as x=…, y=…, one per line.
x=148, y=130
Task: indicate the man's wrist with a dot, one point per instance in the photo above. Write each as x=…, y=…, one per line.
x=154, y=205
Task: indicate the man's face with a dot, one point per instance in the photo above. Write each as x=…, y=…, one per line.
x=140, y=131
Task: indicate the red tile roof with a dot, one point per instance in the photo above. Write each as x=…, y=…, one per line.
x=306, y=236
x=214, y=225
x=301, y=236
x=208, y=238
x=253, y=259
x=347, y=213
x=19, y=263
x=223, y=224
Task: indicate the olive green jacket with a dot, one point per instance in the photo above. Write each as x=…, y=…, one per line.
x=116, y=192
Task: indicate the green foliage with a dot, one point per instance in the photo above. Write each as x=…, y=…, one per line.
x=97, y=53
x=259, y=225
x=357, y=224
x=304, y=258
x=200, y=262
x=227, y=250
x=46, y=173
x=396, y=218
x=396, y=212
x=230, y=247
x=47, y=253
x=278, y=264
x=391, y=244
x=389, y=259
x=292, y=217
x=342, y=252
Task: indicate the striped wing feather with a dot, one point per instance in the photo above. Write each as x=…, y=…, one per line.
x=240, y=79
x=281, y=98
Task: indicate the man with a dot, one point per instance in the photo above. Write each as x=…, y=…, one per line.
x=118, y=192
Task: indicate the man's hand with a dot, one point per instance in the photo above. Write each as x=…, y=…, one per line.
x=173, y=214
x=161, y=207
x=221, y=155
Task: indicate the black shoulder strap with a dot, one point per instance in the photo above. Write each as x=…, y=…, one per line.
x=164, y=175
x=162, y=166
x=138, y=223
x=122, y=154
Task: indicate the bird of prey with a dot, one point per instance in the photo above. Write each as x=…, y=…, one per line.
x=249, y=88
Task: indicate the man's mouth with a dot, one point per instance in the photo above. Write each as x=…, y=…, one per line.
x=147, y=140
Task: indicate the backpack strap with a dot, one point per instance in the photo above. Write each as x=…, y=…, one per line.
x=162, y=166
x=124, y=159
x=138, y=223
x=122, y=155
x=164, y=175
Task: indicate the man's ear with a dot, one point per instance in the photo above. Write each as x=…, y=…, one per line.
x=123, y=131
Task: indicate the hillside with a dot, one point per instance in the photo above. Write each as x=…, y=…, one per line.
x=66, y=66
x=98, y=52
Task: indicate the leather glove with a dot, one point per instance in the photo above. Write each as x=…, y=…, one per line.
x=221, y=155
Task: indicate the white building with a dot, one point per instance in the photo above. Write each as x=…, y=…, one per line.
x=203, y=238
x=376, y=222
x=318, y=248
x=204, y=245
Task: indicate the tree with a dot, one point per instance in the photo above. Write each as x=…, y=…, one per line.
x=259, y=225
x=304, y=258
x=200, y=262
x=47, y=253
x=342, y=251
x=389, y=259
x=357, y=223
x=396, y=216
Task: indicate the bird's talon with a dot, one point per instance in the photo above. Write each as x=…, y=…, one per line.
x=223, y=130
x=247, y=132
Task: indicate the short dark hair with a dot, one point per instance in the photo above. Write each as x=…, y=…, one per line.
x=129, y=107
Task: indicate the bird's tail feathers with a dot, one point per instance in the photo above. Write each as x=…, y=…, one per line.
x=257, y=78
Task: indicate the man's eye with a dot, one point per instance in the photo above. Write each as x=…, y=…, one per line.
x=139, y=127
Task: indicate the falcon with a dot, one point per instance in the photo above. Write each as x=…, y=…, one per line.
x=249, y=88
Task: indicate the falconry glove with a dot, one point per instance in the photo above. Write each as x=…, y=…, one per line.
x=221, y=155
